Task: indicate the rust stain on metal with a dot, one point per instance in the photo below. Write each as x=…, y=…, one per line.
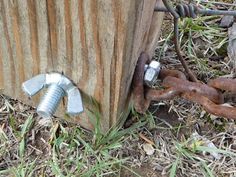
x=175, y=84
x=187, y=86
x=223, y=84
x=174, y=73
x=159, y=95
x=211, y=107
x=141, y=104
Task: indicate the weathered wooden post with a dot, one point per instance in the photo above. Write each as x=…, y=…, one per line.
x=96, y=43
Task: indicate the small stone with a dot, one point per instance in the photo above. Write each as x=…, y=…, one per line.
x=203, y=113
x=148, y=148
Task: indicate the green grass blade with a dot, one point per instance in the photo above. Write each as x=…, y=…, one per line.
x=173, y=169
x=26, y=126
x=207, y=169
x=22, y=147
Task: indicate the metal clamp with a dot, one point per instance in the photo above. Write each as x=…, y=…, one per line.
x=58, y=86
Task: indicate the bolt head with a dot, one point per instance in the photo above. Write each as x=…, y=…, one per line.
x=59, y=79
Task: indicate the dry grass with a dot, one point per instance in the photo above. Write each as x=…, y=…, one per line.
x=204, y=45
x=180, y=131
x=28, y=149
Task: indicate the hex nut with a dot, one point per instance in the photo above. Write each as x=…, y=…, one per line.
x=152, y=72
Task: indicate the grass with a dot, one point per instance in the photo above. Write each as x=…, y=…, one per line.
x=200, y=39
x=191, y=153
x=66, y=150
x=29, y=149
x=203, y=39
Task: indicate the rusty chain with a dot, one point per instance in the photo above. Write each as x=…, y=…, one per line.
x=175, y=84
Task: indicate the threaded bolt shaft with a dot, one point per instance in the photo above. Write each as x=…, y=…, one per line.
x=49, y=103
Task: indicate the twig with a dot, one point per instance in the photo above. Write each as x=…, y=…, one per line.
x=146, y=139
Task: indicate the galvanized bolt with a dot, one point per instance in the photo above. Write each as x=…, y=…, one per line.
x=50, y=101
x=58, y=86
x=151, y=72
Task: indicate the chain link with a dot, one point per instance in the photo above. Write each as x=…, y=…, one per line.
x=175, y=84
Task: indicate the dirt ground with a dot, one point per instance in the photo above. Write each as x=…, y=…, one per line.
x=174, y=138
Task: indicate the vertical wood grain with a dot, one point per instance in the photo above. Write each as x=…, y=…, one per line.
x=19, y=59
x=106, y=40
x=32, y=13
x=117, y=62
x=25, y=34
x=69, y=42
x=77, y=49
x=8, y=59
x=155, y=26
x=97, y=47
x=46, y=63
x=94, y=42
x=84, y=47
x=52, y=27
x=1, y=70
x=61, y=64
x=90, y=82
x=1, y=60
